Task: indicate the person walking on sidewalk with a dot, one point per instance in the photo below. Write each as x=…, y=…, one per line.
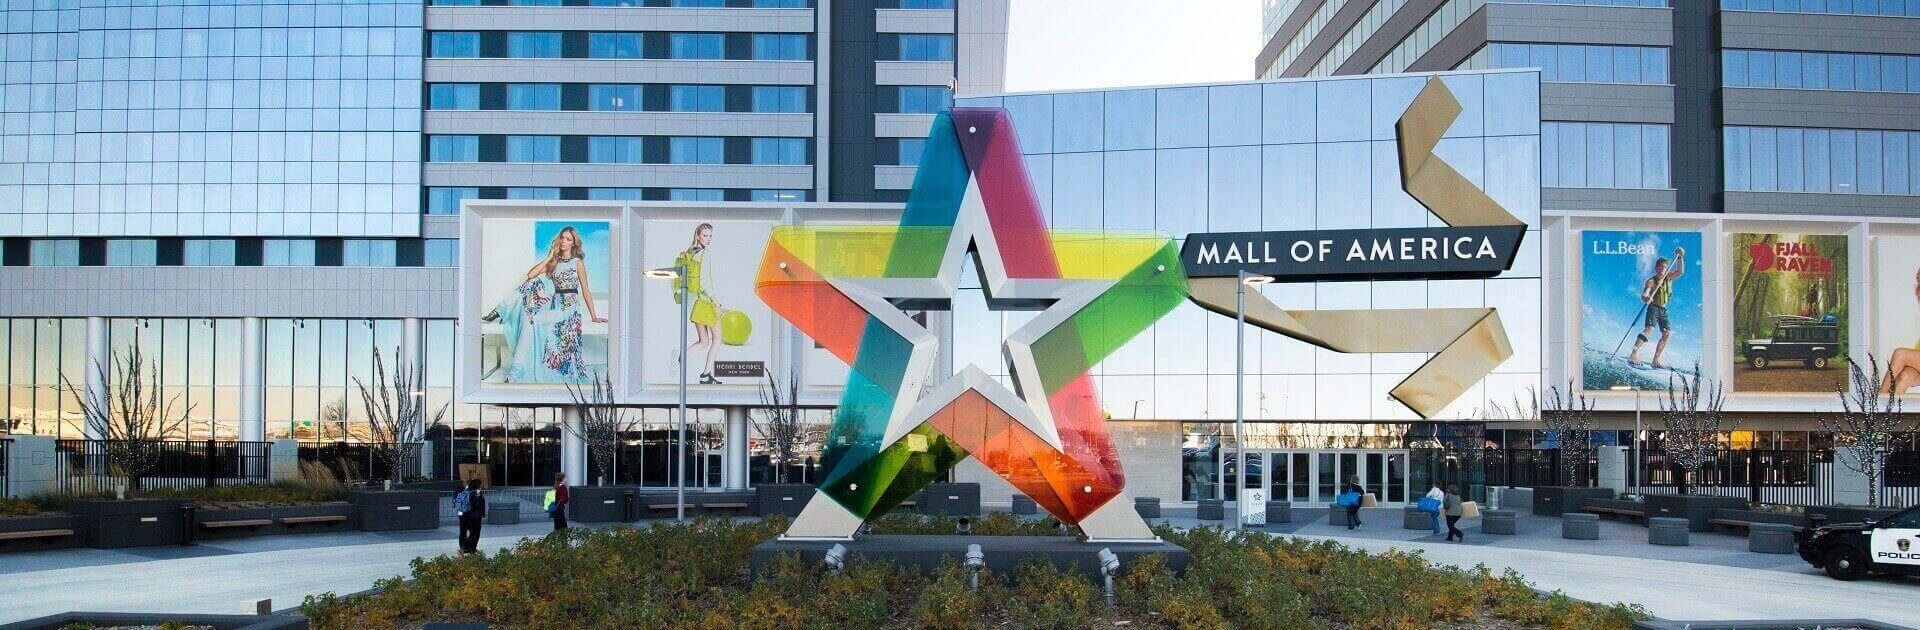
x=1438, y=502
x=1454, y=512
x=472, y=508
x=1359, y=495
x=557, y=502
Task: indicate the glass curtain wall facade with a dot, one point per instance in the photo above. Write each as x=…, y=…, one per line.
x=198, y=117
x=38, y=352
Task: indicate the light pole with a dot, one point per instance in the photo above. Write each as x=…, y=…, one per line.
x=1639, y=457
x=672, y=274
x=1240, y=393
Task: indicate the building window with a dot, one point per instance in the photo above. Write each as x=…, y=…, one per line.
x=697, y=98
x=287, y=252
x=453, y=148
x=777, y=196
x=698, y=46
x=541, y=149
x=1579, y=63
x=696, y=151
x=534, y=3
x=455, y=3
x=533, y=96
x=523, y=192
x=700, y=4
x=132, y=252
x=616, y=194
x=1844, y=161
x=446, y=199
x=453, y=96
x=923, y=99
x=780, y=4
x=441, y=252
x=1908, y=8
x=615, y=150
x=1605, y=155
x=455, y=44
x=779, y=47
x=781, y=99
x=365, y=252
x=910, y=149
x=614, y=98
x=696, y=194
x=916, y=4
x=54, y=253
x=533, y=45
x=1820, y=70
x=614, y=45
x=925, y=47
x=207, y=252
x=779, y=150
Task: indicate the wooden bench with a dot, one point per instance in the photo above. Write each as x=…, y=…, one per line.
x=1728, y=522
x=250, y=522
x=1614, y=511
x=35, y=533
x=301, y=520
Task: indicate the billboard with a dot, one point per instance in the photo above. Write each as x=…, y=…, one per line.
x=1897, y=315
x=729, y=330
x=545, y=296
x=1790, y=308
x=1641, y=309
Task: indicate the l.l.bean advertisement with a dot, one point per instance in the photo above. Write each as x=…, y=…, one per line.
x=1641, y=314
x=1790, y=308
x=728, y=329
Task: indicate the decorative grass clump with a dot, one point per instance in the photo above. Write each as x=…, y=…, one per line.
x=694, y=575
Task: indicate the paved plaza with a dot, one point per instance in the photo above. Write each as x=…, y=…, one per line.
x=1715, y=578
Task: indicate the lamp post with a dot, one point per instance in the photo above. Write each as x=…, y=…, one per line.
x=1239, y=391
x=672, y=274
x=1639, y=457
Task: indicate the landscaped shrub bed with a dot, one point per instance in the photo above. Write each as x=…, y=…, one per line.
x=694, y=575
x=251, y=495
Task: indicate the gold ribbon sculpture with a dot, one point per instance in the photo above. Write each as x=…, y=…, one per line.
x=1468, y=343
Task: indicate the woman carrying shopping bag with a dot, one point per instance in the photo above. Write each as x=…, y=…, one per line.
x=1350, y=497
x=1431, y=504
x=1454, y=511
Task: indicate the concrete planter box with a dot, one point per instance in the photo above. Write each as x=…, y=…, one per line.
x=1559, y=500
x=1336, y=516
x=111, y=524
x=1828, y=515
x=1696, y=509
x=1279, y=512
x=396, y=510
x=597, y=504
x=1756, y=516
x=286, y=621
x=1022, y=504
x=1412, y=518
x=273, y=515
x=504, y=512
x=785, y=499
x=1516, y=499
x=1212, y=510
x=1147, y=507
x=953, y=499
x=42, y=522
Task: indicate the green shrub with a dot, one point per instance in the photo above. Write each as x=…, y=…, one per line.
x=259, y=494
x=950, y=601
x=17, y=507
x=1043, y=596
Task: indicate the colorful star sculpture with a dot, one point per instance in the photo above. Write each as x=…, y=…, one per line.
x=899, y=426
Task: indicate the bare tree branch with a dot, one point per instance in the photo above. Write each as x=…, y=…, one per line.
x=1869, y=419
x=1569, y=414
x=602, y=422
x=780, y=422
x=396, y=413
x=130, y=416
x=1693, y=423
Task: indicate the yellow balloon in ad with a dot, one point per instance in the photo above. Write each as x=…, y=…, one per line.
x=735, y=328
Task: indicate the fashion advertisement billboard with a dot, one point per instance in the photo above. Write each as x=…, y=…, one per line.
x=1790, y=308
x=1897, y=315
x=545, y=296
x=1641, y=314
x=729, y=330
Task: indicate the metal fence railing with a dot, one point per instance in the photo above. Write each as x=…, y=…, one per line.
x=1782, y=477
x=89, y=466
x=357, y=462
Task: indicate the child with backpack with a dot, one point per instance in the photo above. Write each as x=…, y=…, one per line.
x=471, y=506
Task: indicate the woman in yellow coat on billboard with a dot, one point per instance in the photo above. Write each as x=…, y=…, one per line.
x=704, y=313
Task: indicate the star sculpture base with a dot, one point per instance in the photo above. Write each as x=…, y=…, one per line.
x=1002, y=553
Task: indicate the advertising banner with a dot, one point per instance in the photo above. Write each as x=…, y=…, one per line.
x=1789, y=312
x=1897, y=317
x=546, y=297
x=1641, y=314
x=729, y=330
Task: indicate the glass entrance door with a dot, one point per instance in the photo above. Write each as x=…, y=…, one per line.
x=1315, y=477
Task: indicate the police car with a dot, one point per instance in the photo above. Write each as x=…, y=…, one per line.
x=1849, y=551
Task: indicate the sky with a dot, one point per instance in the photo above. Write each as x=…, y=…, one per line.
x=1075, y=44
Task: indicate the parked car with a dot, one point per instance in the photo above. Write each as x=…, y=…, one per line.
x=1813, y=341
x=1848, y=551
